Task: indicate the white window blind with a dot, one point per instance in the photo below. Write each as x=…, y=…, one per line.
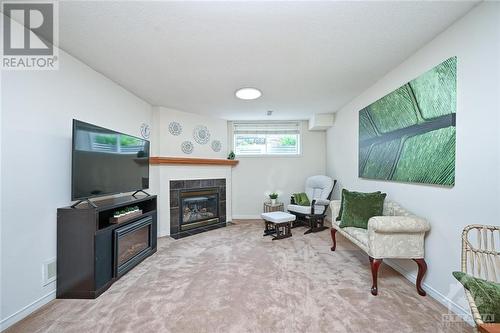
x=291, y=127
x=266, y=138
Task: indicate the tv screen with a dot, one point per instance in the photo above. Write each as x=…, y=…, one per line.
x=107, y=162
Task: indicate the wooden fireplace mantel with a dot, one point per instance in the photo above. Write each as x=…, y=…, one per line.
x=157, y=160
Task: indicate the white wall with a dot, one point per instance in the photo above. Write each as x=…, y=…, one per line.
x=475, y=40
x=166, y=144
x=255, y=177
x=170, y=145
x=37, y=112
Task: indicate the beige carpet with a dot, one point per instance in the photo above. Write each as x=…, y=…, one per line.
x=235, y=280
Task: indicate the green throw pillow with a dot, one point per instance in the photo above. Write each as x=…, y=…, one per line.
x=339, y=217
x=360, y=207
x=301, y=199
x=486, y=295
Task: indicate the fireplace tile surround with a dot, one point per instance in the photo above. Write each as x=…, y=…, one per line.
x=182, y=186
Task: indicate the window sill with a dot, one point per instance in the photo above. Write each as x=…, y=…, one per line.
x=269, y=156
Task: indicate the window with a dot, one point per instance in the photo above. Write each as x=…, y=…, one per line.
x=266, y=138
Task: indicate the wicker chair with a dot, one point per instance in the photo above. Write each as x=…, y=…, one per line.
x=480, y=258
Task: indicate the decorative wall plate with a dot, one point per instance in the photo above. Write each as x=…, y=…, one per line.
x=216, y=145
x=187, y=147
x=175, y=128
x=145, y=131
x=201, y=134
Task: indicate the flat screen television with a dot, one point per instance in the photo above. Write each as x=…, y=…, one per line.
x=106, y=162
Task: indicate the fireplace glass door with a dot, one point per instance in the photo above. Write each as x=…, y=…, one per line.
x=132, y=243
x=199, y=208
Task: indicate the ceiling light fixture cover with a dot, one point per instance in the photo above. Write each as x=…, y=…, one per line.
x=248, y=93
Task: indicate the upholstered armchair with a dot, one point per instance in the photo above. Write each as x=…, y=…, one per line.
x=319, y=191
x=397, y=234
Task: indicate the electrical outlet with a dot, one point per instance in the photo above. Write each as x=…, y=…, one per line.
x=49, y=271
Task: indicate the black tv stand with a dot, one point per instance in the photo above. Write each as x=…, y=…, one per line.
x=86, y=200
x=146, y=193
x=93, y=251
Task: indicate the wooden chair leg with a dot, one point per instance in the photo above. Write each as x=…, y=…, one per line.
x=269, y=229
x=333, y=232
x=312, y=225
x=375, y=264
x=422, y=268
x=321, y=224
x=316, y=224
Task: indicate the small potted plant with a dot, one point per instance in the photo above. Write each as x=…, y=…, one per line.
x=273, y=196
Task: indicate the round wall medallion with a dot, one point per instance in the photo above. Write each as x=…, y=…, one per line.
x=201, y=134
x=145, y=131
x=216, y=145
x=187, y=147
x=175, y=128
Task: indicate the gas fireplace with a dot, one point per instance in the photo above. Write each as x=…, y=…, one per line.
x=196, y=206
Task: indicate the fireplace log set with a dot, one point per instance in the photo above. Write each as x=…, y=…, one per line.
x=198, y=208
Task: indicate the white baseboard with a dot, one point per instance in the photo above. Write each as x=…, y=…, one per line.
x=28, y=309
x=163, y=233
x=246, y=217
x=454, y=307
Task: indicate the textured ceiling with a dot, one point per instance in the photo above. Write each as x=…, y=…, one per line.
x=306, y=57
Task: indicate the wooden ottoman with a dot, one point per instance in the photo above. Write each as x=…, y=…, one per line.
x=278, y=224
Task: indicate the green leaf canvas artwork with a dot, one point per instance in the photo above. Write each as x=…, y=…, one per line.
x=409, y=134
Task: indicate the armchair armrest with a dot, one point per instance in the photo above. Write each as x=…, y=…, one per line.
x=335, y=208
x=397, y=224
x=320, y=202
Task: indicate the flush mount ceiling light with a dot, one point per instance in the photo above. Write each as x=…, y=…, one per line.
x=248, y=93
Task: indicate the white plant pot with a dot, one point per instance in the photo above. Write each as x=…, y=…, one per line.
x=273, y=202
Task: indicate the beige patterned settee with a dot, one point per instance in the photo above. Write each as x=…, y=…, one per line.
x=397, y=234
